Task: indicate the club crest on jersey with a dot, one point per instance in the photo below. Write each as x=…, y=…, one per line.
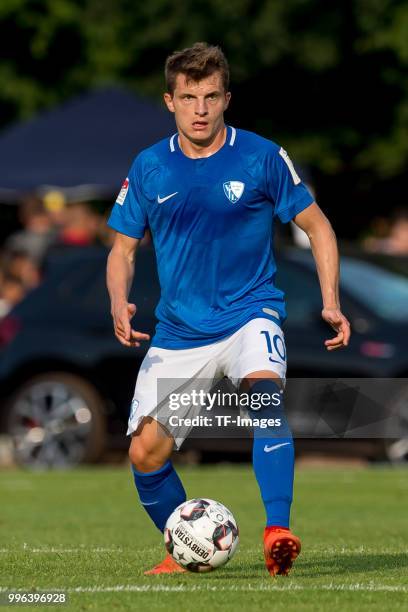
x=123, y=192
x=233, y=190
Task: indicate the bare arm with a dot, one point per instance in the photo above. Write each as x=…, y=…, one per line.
x=324, y=249
x=119, y=276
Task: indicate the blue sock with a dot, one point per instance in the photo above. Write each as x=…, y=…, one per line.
x=160, y=492
x=273, y=454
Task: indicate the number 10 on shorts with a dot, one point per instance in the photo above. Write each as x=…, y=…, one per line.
x=275, y=346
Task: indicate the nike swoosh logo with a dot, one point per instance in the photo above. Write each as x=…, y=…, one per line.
x=149, y=503
x=161, y=200
x=268, y=449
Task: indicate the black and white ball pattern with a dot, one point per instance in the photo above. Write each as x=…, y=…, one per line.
x=201, y=534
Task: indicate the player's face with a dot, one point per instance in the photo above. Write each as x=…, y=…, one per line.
x=199, y=107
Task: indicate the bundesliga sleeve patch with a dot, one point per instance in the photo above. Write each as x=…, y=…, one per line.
x=288, y=162
x=123, y=192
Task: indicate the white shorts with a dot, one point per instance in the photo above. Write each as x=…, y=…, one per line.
x=258, y=345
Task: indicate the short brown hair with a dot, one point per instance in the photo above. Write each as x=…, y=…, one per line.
x=196, y=63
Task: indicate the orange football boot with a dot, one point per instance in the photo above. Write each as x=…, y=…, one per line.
x=167, y=566
x=281, y=548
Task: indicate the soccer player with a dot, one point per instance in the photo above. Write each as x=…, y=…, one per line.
x=210, y=194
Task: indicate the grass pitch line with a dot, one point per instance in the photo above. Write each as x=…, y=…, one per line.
x=339, y=551
x=59, y=551
x=183, y=588
x=144, y=551
x=192, y=588
x=208, y=587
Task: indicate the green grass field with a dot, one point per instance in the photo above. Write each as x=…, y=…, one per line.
x=84, y=532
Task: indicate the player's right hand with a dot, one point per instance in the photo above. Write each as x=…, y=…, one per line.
x=122, y=315
x=337, y=321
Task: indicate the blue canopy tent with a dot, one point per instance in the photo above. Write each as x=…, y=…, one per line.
x=83, y=148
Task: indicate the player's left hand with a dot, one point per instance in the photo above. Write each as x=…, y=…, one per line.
x=336, y=319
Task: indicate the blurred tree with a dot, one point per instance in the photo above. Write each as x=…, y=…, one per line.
x=40, y=49
x=327, y=79
x=384, y=41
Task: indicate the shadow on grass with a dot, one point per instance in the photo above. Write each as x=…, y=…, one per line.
x=336, y=566
x=352, y=563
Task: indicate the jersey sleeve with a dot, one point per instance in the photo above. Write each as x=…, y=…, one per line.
x=128, y=215
x=284, y=187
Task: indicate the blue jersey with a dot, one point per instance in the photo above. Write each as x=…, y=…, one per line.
x=211, y=221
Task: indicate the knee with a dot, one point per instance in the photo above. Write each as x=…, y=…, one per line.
x=142, y=458
x=150, y=447
x=148, y=456
x=136, y=455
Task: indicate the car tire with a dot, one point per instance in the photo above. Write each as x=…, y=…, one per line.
x=56, y=420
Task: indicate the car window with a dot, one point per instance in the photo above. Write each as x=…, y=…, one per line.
x=145, y=290
x=94, y=293
x=302, y=292
x=382, y=291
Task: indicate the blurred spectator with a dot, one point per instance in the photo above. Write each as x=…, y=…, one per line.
x=26, y=270
x=398, y=239
x=81, y=226
x=47, y=226
x=37, y=233
x=12, y=292
x=18, y=275
x=391, y=239
x=55, y=204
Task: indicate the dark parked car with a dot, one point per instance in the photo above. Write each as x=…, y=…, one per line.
x=66, y=382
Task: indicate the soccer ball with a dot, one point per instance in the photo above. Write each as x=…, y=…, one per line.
x=201, y=534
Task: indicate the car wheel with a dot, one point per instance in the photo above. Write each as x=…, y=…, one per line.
x=396, y=443
x=56, y=420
